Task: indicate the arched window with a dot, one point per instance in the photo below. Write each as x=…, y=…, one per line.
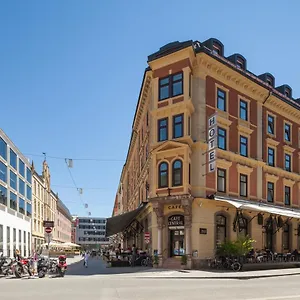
x=221, y=231
x=286, y=237
x=163, y=175
x=177, y=173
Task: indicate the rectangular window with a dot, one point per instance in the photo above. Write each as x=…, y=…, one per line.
x=28, y=209
x=271, y=124
x=21, y=168
x=1, y=239
x=287, y=195
x=163, y=129
x=14, y=239
x=8, y=240
x=13, y=159
x=222, y=138
x=13, y=201
x=287, y=132
x=21, y=187
x=3, y=195
x=287, y=162
x=244, y=110
x=221, y=181
x=3, y=149
x=270, y=196
x=20, y=238
x=221, y=99
x=3, y=172
x=243, y=145
x=13, y=180
x=24, y=243
x=243, y=185
x=177, y=126
x=171, y=86
x=29, y=193
x=22, y=206
x=271, y=157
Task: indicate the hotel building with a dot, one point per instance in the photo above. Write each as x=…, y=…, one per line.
x=213, y=155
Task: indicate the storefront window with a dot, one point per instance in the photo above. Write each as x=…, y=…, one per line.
x=286, y=237
x=220, y=230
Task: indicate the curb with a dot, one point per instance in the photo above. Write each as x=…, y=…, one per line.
x=220, y=277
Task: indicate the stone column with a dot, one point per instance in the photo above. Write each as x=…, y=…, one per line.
x=159, y=211
x=187, y=207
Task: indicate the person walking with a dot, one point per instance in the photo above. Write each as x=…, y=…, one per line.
x=85, y=259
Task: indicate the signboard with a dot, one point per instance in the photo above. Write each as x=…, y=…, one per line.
x=176, y=221
x=48, y=229
x=48, y=224
x=203, y=230
x=212, y=142
x=147, y=237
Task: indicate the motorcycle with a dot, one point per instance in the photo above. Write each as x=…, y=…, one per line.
x=6, y=266
x=56, y=267
x=22, y=267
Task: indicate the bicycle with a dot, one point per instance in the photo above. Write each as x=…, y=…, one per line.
x=147, y=262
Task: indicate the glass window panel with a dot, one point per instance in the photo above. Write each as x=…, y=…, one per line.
x=22, y=206
x=221, y=138
x=13, y=159
x=28, y=175
x=13, y=201
x=287, y=132
x=177, y=88
x=21, y=168
x=3, y=195
x=13, y=180
x=21, y=187
x=164, y=92
x=243, y=110
x=271, y=157
x=177, y=77
x=29, y=193
x=270, y=196
x=243, y=146
x=3, y=172
x=271, y=122
x=178, y=126
x=3, y=149
x=221, y=100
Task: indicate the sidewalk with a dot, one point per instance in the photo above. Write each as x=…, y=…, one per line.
x=74, y=260
x=195, y=274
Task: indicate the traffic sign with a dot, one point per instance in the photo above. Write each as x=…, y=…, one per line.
x=48, y=223
x=147, y=237
x=48, y=229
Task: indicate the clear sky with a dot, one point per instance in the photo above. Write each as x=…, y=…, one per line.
x=70, y=74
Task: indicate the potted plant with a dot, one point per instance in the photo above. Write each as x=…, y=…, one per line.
x=155, y=261
x=183, y=261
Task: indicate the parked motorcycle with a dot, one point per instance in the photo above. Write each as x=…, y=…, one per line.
x=6, y=266
x=22, y=267
x=54, y=267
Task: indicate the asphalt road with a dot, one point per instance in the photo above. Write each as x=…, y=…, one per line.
x=97, y=282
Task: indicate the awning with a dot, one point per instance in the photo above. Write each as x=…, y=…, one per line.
x=260, y=207
x=121, y=222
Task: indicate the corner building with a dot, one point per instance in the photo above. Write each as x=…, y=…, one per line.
x=192, y=191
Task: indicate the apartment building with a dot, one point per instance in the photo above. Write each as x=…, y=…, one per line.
x=15, y=199
x=213, y=155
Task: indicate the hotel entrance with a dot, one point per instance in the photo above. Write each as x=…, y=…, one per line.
x=176, y=235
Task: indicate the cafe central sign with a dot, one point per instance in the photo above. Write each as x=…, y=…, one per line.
x=176, y=221
x=212, y=143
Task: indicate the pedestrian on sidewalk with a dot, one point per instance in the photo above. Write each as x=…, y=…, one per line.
x=85, y=259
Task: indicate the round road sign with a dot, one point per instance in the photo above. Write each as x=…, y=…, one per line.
x=48, y=229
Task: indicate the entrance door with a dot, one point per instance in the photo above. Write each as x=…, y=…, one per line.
x=176, y=242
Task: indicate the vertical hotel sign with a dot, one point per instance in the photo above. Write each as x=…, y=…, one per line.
x=212, y=143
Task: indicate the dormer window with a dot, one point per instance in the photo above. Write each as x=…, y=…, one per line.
x=216, y=49
x=287, y=93
x=269, y=81
x=240, y=64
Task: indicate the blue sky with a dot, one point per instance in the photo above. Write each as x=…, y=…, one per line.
x=70, y=74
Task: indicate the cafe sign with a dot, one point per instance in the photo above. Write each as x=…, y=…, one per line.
x=176, y=221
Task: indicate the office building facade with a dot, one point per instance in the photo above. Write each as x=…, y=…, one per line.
x=15, y=199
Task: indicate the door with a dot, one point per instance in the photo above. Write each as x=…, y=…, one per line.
x=176, y=242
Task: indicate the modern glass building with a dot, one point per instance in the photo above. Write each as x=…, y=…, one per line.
x=15, y=199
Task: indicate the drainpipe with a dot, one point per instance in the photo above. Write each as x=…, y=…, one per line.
x=263, y=123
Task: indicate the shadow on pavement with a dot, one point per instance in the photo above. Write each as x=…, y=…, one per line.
x=97, y=266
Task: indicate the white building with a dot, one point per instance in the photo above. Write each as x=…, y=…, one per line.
x=15, y=199
x=90, y=232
